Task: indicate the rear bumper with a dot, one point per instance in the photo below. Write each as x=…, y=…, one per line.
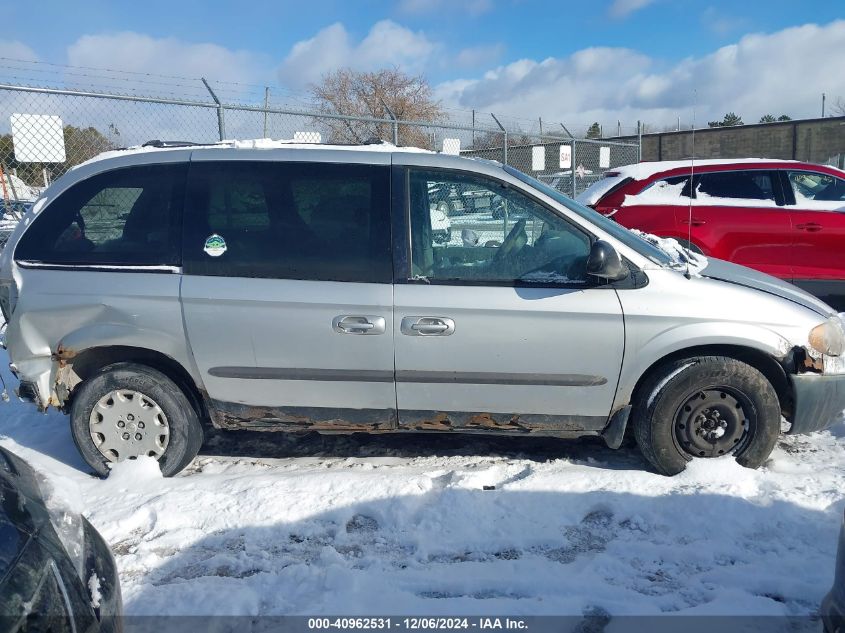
x=819, y=401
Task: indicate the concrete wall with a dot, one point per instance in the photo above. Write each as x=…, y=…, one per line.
x=811, y=140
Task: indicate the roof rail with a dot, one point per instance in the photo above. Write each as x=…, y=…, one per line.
x=161, y=144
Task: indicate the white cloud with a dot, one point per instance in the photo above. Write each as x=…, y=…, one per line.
x=387, y=44
x=624, y=8
x=12, y=49
x=470, y=7
x=783, y=72
x=136, y=52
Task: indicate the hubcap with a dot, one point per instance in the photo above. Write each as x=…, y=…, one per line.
x=125, y=424
x=713, y=422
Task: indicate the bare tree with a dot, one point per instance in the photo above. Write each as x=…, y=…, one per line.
x=838, y=108
x=365, y=94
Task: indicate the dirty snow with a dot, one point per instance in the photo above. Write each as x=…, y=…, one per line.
x=267, y=524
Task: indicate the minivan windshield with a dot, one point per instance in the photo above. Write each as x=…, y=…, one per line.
x=615, y=229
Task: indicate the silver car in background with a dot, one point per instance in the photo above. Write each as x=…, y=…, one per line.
x=300, y=288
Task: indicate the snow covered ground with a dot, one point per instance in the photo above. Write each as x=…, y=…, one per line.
x=266, y=524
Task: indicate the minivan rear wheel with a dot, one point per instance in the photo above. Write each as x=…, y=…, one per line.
x=703, y=407
x=126, y=411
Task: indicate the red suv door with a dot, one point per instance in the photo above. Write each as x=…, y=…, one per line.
x=816, y=200
x=740, y=215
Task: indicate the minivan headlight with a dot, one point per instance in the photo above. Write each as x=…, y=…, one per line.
x=828, y=337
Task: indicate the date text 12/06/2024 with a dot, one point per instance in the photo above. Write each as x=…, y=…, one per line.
x=418, y=623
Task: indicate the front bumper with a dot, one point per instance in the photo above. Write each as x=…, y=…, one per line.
x=819, y=401
x=833, y=605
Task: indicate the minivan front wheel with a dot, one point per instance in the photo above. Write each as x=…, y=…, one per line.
x=127, y=411
x=702, y=407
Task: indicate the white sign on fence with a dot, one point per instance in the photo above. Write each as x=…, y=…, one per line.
x=565, y=156
x=452, y=146
x=538, y=158
x=604, y=157
x=38, y=138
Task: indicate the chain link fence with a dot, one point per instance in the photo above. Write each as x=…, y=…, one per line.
x=90, y=123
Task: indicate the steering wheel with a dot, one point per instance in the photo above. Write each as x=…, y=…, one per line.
x=511, y=242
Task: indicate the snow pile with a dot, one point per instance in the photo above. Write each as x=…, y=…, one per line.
x=268, y=524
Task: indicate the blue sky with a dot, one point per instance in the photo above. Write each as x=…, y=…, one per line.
x=650, y=59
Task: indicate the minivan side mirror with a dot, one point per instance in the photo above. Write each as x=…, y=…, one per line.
x=604, y=262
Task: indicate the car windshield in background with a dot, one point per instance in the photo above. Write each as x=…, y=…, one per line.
x=609, y=226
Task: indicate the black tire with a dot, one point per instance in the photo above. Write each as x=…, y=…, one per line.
x=185, y=429
x=673, y=413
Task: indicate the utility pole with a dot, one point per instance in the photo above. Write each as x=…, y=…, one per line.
x=823, y=98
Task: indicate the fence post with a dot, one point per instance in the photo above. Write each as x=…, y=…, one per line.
x=505, y=143
x=395, y=123
x=221, y=123
x=572, y=166
x=639, y=141
x=266, y=107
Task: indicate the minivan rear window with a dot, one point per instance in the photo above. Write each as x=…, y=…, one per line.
x=128, y=216
x=309, y=221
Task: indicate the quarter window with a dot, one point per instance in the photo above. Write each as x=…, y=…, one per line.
x=316, y=221
x=470, y=229
x=127, y=216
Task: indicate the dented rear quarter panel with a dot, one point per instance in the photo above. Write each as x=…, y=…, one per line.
x=61, y=313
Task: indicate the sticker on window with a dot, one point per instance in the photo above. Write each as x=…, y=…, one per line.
x=215, y=245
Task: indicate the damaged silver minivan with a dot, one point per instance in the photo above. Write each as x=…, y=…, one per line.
x=276, y=286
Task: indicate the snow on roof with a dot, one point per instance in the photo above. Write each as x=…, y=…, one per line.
x=641, y=171
x=258, y=143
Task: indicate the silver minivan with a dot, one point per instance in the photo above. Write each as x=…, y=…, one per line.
x=265, y=285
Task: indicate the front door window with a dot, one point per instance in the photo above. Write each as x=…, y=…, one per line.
x=496, y=234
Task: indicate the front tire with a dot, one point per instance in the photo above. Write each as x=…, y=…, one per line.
x=702, y=407
x=127, y=410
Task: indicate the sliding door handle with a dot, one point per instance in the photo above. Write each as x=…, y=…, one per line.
x=427, y=326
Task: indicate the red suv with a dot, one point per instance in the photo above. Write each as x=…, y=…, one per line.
x=784, y=218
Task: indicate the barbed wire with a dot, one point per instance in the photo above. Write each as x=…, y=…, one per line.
x=37, y=73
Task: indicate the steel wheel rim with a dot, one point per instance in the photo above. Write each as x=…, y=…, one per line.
x=125, y=424
x=713, y=422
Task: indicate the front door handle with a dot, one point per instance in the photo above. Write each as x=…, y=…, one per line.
x=693, y=222
x=427, y=326
x=812, y=227
x=358, y=324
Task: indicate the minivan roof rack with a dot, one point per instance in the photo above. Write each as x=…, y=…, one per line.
x=160, y=143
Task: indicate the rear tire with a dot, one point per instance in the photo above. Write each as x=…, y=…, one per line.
x=139, y=411
x=703, y=407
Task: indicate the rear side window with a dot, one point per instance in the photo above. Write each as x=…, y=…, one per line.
x=745, y=185
x=127, y=216
x=311, y=221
